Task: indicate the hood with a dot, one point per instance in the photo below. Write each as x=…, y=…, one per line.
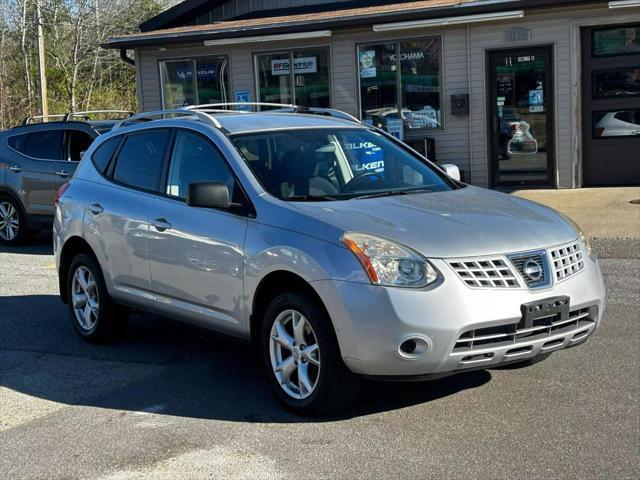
x=459, y=223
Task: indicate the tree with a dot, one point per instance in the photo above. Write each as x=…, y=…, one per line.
x=81, y=75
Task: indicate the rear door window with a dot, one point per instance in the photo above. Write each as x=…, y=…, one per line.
x=141, y=159
x=17, y=142
x=46, y=145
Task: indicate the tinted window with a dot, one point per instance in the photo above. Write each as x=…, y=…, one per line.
x=79, y=142
x=104, y=152
x=17, y=142
x=46, y=144
x=140, y=160
x=195, y=160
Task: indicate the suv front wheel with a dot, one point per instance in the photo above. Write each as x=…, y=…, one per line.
x=302, y=358
x=95, y=316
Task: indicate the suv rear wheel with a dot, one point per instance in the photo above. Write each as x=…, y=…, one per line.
x=13, y=224
x=94, y=315
x=302, y=358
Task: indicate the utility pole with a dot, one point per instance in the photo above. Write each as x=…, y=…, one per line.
x=41, y=63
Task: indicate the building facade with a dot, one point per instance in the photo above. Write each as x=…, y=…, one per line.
x=516, y=93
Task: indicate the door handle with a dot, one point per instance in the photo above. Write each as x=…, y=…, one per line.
x=15, y=168
x=62, y=173
x=161, y=224
x=95, y=208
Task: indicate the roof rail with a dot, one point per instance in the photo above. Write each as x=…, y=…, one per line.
x=30, y=120
x=71, y=115
x=148, y=116
x=281, y=107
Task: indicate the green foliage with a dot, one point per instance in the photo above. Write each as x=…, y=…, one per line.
x=80, y=74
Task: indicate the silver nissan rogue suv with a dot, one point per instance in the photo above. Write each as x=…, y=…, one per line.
x=333, y=247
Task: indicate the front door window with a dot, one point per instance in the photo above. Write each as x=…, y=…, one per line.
x=522, y=117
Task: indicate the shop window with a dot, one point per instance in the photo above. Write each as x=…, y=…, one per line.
x=623, y=40
x=306, y=84
x=401, y=85
x=195, y=81
x=617, y=83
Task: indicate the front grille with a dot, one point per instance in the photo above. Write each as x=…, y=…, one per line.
x=485, y=273
x=502, y=335
x=567, y=261
x=523, y=262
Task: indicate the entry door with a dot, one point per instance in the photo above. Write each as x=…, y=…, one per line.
x=521, y=117
x=611, y=105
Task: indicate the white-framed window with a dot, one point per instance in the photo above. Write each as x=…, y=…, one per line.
x=194, y=81
x=306, y=84
x=400, y=84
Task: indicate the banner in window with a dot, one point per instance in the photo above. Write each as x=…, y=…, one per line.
x=301, y=65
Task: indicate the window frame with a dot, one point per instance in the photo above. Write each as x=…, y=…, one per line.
x=290, y=51
x=418, y=132
x=67, y=143
x=594, y=73
x=193, y=59
x=103, y=172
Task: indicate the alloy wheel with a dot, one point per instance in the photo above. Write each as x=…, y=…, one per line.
x=9, y=221
x=84, y=298
x=295, y=354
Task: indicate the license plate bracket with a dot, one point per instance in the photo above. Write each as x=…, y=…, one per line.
x=544, y=312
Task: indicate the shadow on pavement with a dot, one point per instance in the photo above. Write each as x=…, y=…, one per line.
x=166, y=367
x=40, y=244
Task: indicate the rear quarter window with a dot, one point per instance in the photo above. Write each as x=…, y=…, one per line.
x=17, y=142
x=102, y=155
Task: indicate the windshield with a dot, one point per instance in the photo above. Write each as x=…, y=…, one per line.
x=335, y=164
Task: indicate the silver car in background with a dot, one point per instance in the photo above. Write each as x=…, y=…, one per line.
x=333, y=247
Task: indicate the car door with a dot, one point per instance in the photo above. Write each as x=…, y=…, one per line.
x=31, y=168
x=196, y=255
x=117, y=211
x=76, y=143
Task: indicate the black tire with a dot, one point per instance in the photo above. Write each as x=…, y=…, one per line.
x=336, y=386
x=23, y=233
x=526, y=363
x=111, y=319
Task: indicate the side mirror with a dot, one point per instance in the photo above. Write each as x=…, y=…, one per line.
x=452, y=170
x=209, y=195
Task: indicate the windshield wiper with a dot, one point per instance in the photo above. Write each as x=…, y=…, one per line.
x=309, y=198
x=382, y=194
x=393, y=193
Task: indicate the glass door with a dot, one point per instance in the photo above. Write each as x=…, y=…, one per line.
x=521, y=117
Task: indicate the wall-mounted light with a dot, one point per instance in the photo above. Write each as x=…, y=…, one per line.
x=441, y=22
x=624, y=4
x=269, y=38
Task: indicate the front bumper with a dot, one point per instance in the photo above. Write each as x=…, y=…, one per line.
x=372, y=321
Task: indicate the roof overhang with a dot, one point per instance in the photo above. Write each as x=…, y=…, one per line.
x=227, y=32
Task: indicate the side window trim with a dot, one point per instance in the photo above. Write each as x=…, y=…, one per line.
x=249, y=211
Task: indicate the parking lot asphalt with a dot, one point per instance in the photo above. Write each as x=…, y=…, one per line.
x=173, y=401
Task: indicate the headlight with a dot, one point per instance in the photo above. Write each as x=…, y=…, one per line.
x=585, y=241
x=389, y=263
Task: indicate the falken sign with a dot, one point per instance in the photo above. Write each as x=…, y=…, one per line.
x=300, y=65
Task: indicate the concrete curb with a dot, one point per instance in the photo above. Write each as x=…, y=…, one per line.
x=616, y=247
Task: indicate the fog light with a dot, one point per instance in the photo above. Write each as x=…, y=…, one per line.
x=414, y=347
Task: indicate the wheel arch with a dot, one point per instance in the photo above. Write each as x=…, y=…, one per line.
x=8, y=192
x=269, y=287
x=72, y=247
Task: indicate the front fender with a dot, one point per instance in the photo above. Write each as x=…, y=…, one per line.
x=270, y=249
